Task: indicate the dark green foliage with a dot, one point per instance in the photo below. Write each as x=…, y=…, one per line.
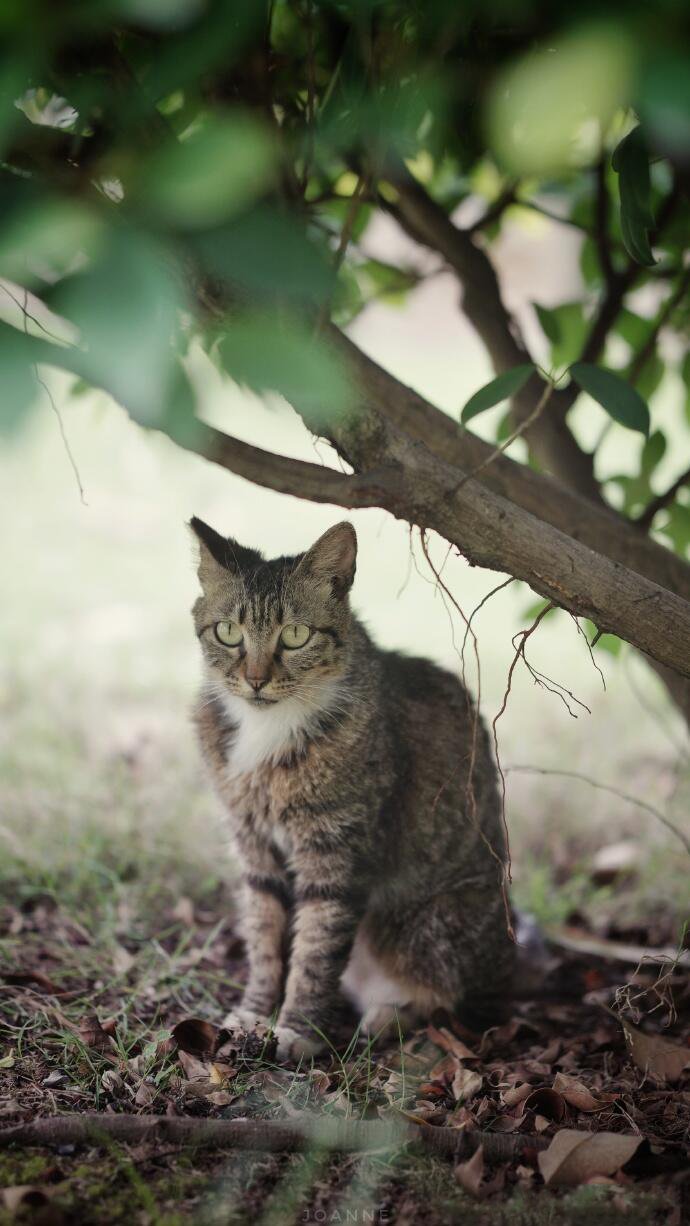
x=621, y=401
x=500, y=388
x=631, y=162
x=177, y=174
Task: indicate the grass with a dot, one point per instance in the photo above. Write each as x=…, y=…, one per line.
x=113, y=885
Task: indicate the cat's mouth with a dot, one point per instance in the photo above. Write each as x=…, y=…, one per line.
x=258, y=700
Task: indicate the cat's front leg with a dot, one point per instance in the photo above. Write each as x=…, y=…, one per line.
x=265, y=909
x=329, y=902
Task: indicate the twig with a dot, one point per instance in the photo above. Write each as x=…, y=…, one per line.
x=525, y=634
x=345, y=236
x=499, y=587
x=267, y=1135
x=646, y=518
x=589, y=646
x=63, y=433
x=61, y=425
x=602, y=237
x=645, y=352
x=495, y=211
x=605, y=787
x=473, y=710
x=516, y=433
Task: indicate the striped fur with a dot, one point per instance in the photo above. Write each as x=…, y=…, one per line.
x=371, y=860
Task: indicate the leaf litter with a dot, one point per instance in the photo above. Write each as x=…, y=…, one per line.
x=139, y=1035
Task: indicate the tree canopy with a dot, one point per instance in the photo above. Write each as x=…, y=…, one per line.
x=193, y=172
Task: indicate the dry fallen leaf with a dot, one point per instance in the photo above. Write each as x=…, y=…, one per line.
x=194, y=1069
x=546, y=1102
x=220, y=1073
x=144, y=1095
x=470, y=1174
x=517, y=1094
x=465, y=1084
x=93, y=1035
x=578, y=1095
x=196, y=1036
x=443, y=1038
x=33, y=979
x=655, y=1055
x=575, y=1157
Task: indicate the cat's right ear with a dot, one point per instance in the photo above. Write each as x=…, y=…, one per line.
x=215, y=556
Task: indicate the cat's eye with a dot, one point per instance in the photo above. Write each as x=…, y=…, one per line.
x=229, y=633
x=295, y=636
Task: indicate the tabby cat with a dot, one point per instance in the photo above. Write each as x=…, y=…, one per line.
x=370, y=863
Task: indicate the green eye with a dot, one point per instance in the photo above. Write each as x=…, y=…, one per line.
x=295, y=636
x=229, y=633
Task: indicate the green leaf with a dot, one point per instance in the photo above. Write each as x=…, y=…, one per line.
x=531, y=611
x=267, y=353
x=631, y=163
x=501, y=388
x=267, y=252
x=653, y=452
x=650, y=376
x=125, y=305
x=621, y=401
x=589, y=263
x=565, y=326
x=226, y=162
x=677, y=527
x=632, y=327
x=20, y=388
x=664, y=102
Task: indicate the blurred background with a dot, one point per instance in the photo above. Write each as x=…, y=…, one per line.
x=100, y=780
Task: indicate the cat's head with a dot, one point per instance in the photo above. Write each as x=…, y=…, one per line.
x=274, y=629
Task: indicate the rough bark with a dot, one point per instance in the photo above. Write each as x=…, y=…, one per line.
x=269, y=1135
x=549, y=438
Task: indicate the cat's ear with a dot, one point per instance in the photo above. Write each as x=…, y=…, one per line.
x=219, y=555
x=333, y=558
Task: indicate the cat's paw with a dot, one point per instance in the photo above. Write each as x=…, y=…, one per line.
x=378, y=1018
x=295, y=1046
x=242, y=1018
x=389, y=1019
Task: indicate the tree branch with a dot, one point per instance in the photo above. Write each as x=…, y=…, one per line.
x=298, y=477
x=645, y=520
x=275, y=1136
x=550, y=440
x=667, y=308
x=601, y=223
x=598, y=527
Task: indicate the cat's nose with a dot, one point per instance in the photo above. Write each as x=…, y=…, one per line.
x=257, y=682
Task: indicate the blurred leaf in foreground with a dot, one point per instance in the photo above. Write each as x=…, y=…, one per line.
x=125, y=305
x=543, y=109
x=223, y=164
x=269, y=354
x=267, y=252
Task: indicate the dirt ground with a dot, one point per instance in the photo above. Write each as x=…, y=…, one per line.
x=117, y=1012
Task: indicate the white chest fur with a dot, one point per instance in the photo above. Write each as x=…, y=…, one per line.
x=267, y=734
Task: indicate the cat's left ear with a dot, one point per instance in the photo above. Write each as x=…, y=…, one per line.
x=333, y=558
x=219, y=555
